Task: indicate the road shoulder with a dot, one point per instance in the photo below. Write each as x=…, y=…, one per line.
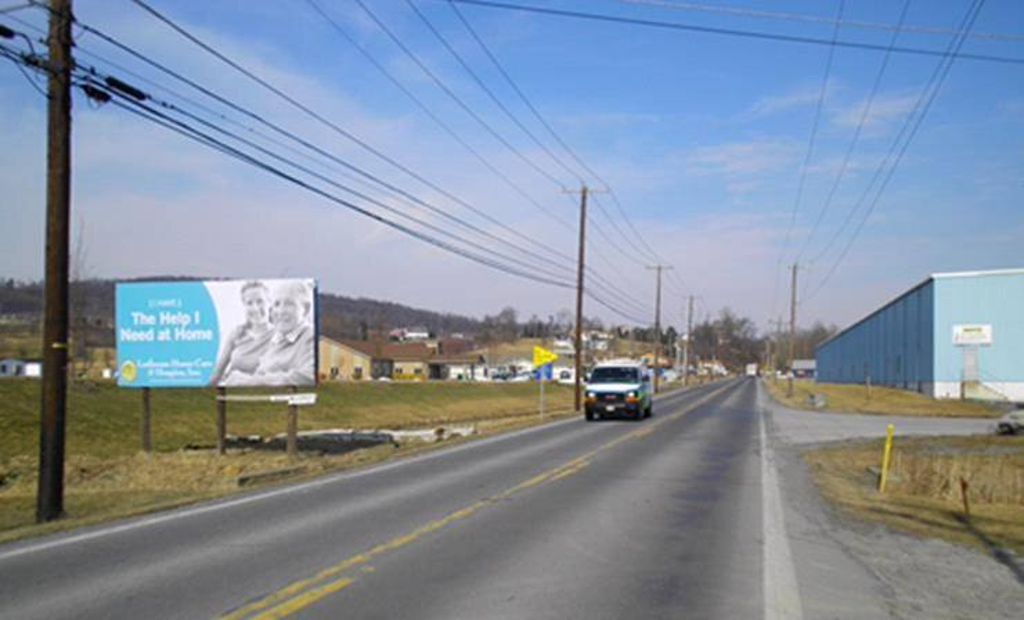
x=848, y=568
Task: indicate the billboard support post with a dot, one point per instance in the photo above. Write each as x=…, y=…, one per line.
x=145, y=428
x=222, y=419
x=293, y=423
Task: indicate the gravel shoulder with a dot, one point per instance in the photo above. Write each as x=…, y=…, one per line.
x=848, y=568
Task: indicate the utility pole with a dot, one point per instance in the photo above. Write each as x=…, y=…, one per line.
x=792, y=330
x=777, y=349
x=686, y=345
x=579, y=297
x=50, y=496
x=657, y=319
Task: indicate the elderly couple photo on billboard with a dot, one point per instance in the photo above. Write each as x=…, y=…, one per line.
x=274, y=343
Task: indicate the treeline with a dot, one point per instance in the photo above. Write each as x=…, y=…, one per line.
x=91, y=309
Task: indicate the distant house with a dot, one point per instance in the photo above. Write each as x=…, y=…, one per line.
x=353, y=360
x=32, y=369
x=804, y=369
x=456, y=366
x=13, y=367
x=409, y=334
x=10, y=367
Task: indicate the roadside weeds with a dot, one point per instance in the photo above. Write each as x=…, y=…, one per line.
x=882, y=401
x=923, y=495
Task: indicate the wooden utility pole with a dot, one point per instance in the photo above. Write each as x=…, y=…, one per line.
x=657, y=319
x=686, y=344
x=792, y=330
x=50, y=496
x=579, y=299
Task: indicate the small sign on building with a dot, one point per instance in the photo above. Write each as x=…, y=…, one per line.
x=972, y=335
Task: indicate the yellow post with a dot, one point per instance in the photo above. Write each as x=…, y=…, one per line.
x=885, y=460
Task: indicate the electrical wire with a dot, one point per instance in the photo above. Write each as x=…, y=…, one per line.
x=913, y=122
x=810, y=150
x=455, y=97
x=816, y=19
x=621, y=295
x=209, y=141
x=749, y=34
x=540, y=118
x=856, y=136
x=490, y=93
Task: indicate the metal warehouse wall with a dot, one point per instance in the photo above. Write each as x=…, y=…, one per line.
x=992, y=298
x=893, y=345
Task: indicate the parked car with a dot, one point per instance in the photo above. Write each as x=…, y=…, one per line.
x=1011, y=423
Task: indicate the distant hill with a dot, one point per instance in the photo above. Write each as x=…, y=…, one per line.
x=340, y=316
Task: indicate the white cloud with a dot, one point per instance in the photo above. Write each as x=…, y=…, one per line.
x=742, y=160
x=802, y=96
x=885, y=109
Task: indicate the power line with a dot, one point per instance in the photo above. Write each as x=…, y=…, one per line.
x=455, y=98
x=447, y=128
x=914, y=121
x=750, y=34
x=816, y=19
x=547, y=126
x=810, y=147
x=291, y=100
x=856, y=135
x=185, y=129
x=209, y=140
x=434, y=117
x=490, y=93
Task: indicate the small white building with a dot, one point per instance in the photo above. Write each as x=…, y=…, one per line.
x=13, y=367
x=10, y=367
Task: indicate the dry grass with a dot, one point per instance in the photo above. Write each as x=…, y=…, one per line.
x=882, y=401
x=923, y=493
x=107, y=477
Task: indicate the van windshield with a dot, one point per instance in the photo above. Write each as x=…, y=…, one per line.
x=612, y=374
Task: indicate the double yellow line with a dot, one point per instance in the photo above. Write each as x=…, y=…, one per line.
x=304, y=592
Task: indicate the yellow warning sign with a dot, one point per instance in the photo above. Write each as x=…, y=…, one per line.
x=542, y=356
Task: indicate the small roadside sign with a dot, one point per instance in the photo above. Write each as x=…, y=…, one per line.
x=542, y=356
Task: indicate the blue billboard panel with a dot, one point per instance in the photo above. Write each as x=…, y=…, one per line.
x=228, y=333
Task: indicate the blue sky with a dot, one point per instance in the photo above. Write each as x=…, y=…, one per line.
x=702, y=136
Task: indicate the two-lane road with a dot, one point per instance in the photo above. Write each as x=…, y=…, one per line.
x=656, y=519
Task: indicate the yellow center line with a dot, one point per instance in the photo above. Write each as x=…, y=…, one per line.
x=301, y=593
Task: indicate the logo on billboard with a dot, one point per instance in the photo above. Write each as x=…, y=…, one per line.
x=128, y=372
x=242, y=333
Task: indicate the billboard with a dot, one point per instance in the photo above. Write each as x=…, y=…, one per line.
x=226, y=333
x=972, y=335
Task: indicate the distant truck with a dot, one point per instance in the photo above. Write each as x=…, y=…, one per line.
x=751, y=370
x=618, y=389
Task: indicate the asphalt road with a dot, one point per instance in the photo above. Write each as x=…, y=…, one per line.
x=653, y=519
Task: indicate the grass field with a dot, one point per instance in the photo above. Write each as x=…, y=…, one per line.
x=882, y=401
x=923, y=495
x=107, y=476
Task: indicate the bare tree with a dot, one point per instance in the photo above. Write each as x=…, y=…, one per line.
x=78, y=302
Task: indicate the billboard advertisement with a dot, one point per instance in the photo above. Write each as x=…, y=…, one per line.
x=225, y=333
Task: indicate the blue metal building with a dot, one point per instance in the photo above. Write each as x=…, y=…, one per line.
x=953, y=335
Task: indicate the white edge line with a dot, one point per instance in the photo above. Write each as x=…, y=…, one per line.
x=781, y=592
x=62, y=539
